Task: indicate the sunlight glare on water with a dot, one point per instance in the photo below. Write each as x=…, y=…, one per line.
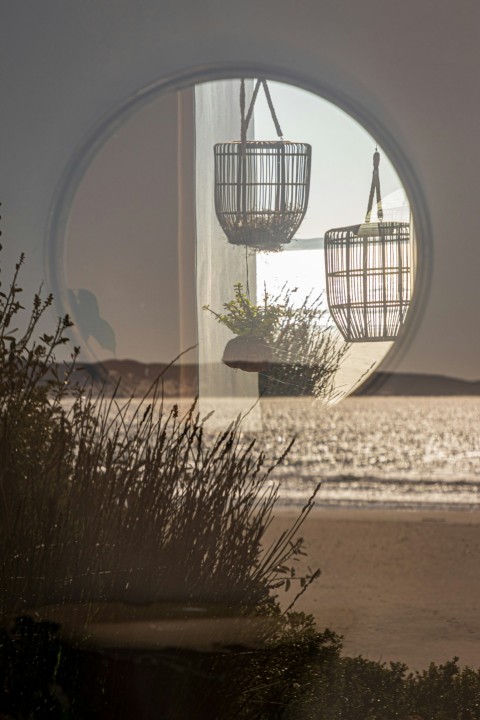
x=379, y=451
x=418, y=452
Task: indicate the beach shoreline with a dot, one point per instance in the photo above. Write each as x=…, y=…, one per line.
x=399, y=585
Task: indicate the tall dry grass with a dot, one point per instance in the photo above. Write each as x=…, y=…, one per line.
x=107, y=501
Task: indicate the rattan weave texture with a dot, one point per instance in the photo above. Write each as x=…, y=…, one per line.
x=368, y=273
x=261, y=191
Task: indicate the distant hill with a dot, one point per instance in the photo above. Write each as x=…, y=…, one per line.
x=133, y=377
x=136, y=377
x=383, y=383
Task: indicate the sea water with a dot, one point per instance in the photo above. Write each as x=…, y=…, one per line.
x=418, y=452
x=385, y=452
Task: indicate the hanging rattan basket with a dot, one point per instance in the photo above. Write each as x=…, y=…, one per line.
x=368, y=275
x=261, y=187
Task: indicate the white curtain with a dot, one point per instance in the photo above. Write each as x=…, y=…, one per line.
x=219, y=265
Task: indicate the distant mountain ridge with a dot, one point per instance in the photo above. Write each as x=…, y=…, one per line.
x=127, y=377
x=132, y=376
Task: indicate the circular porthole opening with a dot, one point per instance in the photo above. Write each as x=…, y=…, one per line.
x=253, y=195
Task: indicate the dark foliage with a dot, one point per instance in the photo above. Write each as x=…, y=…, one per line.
x=299, y=673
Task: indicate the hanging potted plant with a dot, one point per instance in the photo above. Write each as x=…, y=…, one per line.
x=290, y=344
x=254, y=326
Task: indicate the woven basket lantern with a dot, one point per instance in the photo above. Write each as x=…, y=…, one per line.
x=261, y=187
x=368, y=274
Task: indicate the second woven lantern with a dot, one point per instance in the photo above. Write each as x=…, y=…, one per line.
x=261, y=187
x=368, y=273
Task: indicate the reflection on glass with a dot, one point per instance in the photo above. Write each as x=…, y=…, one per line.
x=152, y=560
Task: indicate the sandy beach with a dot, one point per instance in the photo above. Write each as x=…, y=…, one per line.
x=399, y=585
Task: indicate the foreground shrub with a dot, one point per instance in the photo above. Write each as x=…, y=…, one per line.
x=343, y=688
x=299, y=674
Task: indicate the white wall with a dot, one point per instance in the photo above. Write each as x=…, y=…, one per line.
x=409, y=70
x=126, y=278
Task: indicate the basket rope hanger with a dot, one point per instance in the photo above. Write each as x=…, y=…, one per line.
x=375, y=189
x=245, y=119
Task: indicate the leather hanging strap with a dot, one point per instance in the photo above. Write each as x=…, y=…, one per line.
x=375, y=189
